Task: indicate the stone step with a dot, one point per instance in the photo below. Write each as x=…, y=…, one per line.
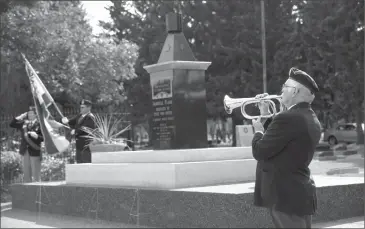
x=162, y=175
x=169, y=156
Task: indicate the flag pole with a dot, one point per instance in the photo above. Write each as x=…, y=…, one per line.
x=36, y=102
x=263, y=43
x=53, y=102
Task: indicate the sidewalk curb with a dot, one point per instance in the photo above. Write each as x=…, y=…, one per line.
x=343, y=171
x=353, y=222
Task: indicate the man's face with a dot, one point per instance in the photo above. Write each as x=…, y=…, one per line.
x=84, y=109
x=31, y=115
x=288, y=91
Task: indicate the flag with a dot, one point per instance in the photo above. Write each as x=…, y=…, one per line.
x=54, y=141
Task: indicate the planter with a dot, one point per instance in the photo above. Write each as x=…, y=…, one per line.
x=107, y=147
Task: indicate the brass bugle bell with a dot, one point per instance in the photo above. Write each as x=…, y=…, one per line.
x=230, y=104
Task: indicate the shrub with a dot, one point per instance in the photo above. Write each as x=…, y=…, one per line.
x=11, y=166
x=53, y=168
x=11, y=169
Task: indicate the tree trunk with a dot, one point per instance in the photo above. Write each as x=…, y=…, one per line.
x=359, y=127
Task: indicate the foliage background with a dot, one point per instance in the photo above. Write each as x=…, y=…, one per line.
x=324, y=38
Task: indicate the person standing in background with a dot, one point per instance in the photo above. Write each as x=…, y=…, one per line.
x=30, y=144
x=84, y=119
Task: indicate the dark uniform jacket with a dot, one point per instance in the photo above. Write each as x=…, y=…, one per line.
x=284, y=153
x=83, y=154
x=27, y=142
x=78, y=121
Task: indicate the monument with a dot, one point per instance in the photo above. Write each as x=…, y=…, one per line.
x=191, y=187
x=178, y=93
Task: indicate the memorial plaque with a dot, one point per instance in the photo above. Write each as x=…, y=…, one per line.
x=163, y=128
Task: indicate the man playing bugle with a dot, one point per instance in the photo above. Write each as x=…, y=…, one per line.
x=284, y=147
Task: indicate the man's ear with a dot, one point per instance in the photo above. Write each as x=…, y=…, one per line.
x=296, y=91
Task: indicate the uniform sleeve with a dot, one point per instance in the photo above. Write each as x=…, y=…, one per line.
x=267, y=123
x=89, y=121
x=40, y=135
x=15, y=123
x=72, y=121
x=278, y=134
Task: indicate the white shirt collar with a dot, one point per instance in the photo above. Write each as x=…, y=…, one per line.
x=85, y=114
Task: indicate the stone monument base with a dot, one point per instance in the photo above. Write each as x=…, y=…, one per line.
x=179, y=155
x=162, y=175
x=215, y=206
x=166, y=169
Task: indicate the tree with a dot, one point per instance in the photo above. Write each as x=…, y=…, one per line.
x=72, y=63
x=334, y=32
x=5, y=5
x=347, y=25
x=45, y=34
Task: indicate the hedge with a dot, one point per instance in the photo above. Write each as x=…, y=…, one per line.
x=53, y=169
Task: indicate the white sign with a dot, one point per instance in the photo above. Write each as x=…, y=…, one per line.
x=244, y=135
x=161, y=87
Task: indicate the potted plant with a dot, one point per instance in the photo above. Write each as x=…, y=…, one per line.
x=104, y=138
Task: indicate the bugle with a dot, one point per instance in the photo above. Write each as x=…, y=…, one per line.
x=230, y=104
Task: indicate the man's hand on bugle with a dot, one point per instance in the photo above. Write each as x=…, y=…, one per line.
x=264, y=106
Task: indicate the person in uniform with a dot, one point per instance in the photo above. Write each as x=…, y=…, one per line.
x=284, y=147
x=84, y=119
x=30, y=144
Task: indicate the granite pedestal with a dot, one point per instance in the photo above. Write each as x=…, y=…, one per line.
x=216, y=206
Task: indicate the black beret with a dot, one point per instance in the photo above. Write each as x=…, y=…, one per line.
x=304, y=79
x=85, y=102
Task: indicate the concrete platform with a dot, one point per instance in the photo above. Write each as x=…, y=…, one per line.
x=162, y=175
x=213, y=206
x=172, y=156
x=166, y=169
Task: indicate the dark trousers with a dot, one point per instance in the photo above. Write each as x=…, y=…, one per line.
x=83, y=153
x=285, y=220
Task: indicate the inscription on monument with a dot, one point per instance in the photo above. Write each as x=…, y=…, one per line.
x=163, y=123
x=163, y=128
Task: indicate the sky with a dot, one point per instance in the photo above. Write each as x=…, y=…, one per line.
x=96, y=12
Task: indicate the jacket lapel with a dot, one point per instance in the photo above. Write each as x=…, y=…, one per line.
x=79, y=120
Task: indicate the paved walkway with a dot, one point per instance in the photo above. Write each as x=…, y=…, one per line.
x=13, y=218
